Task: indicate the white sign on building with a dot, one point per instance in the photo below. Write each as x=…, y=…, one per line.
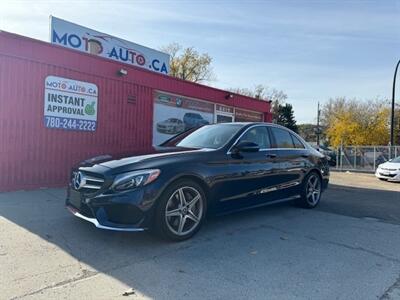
x=70, y=104
x=87, y=40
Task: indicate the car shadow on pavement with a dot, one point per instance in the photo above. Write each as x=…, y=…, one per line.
x=359, y=202
x=136, y=259
x=43, y=214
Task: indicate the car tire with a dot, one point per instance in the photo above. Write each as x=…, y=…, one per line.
x=311, y=191
x=180, y=211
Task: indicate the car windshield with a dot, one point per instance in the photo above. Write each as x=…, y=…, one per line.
x=209, y=136
x=396, y=160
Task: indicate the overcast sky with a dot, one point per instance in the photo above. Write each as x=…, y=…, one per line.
x=312, y=50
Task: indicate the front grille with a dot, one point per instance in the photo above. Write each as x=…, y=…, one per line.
x=388, y=175
x=92, y=182
x=86, y=183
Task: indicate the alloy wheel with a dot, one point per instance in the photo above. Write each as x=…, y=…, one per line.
x=313, y=190
x=184, y=210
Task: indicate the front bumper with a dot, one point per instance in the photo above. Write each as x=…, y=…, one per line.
x=96, y=223
x=128, y=211
x=389, y=176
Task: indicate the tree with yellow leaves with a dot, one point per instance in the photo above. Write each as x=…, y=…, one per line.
x=188, y=64
x=352, y=122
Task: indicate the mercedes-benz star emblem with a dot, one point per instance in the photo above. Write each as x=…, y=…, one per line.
x=78, y=180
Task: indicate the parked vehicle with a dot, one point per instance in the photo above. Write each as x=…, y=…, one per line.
x=370, y=156
x=329, y=153
x=214, y=169
x=192, y=120
x=171, y=126
x=389, y=170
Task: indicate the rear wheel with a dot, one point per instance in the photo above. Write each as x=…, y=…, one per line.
x=181, y=210
x=311, y=191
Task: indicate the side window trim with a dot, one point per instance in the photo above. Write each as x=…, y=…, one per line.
x=274, y=143
x=248, y=129
x=294, y=144
x=272, y=138
x=269, y=138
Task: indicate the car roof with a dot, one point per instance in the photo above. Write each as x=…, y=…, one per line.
x=248, y=124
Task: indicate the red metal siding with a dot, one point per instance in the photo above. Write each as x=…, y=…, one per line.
x=33, y=156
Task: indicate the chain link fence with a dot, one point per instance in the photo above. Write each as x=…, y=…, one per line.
x=364, y=158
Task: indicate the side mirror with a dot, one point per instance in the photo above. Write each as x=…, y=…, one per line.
x=246, y=147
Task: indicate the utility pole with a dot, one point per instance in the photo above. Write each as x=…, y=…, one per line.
x=392, y=143
x=318, y=129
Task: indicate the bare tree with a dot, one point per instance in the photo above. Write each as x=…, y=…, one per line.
x=263, y=92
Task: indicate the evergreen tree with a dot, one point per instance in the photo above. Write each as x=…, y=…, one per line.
x=286, y=117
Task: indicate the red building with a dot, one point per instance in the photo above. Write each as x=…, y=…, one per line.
x=118, y=109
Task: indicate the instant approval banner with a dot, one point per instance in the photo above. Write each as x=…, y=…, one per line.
x=70, y=104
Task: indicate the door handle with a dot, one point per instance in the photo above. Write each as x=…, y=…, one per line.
x=271, y=155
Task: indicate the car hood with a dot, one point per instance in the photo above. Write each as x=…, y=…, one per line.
x=114, y=162
x=390, y=165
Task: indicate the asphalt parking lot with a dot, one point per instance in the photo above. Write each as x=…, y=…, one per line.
x=348, y=248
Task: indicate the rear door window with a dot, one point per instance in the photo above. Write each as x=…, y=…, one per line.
x=282, y=137
x=297, y=143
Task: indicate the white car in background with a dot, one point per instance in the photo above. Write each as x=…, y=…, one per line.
x=389, y=170
x=171, y=126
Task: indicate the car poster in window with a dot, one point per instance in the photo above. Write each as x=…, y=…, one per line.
x=70, y=104
x=175, y=114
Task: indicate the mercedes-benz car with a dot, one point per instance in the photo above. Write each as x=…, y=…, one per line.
x=390, y=170
x=211, y=170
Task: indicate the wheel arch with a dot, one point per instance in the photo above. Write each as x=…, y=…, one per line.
x=314, y=170
x=195, y=178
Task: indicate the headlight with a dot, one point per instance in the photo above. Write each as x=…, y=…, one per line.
x=131, y=180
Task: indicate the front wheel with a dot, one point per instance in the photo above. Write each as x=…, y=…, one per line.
x=181, y=210
x=311, y=191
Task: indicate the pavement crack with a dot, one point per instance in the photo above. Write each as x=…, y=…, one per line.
x=357, y=248
x=395, y=286
x=85, y=274
x=309, y=237
x=42, y=273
